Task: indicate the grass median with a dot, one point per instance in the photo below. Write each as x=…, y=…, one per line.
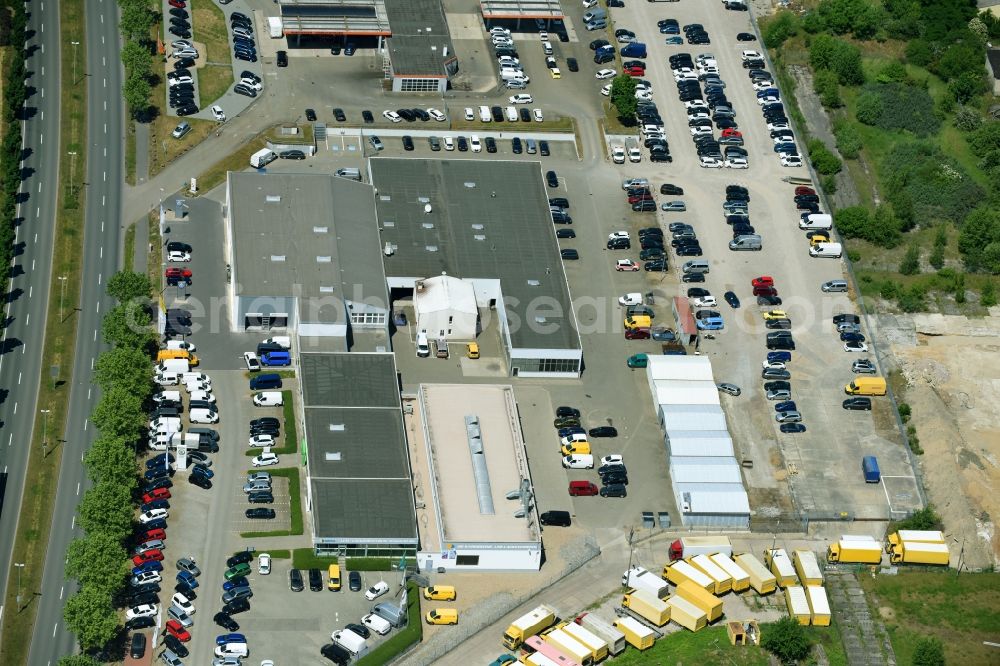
x=216, y=75
x=42, y=475
x=294, y=506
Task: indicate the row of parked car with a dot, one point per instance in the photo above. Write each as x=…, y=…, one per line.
x=703, y=93
x=575, y=448
x=769, y=100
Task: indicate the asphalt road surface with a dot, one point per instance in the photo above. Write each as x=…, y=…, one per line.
x=105, y=129
x=21, y=349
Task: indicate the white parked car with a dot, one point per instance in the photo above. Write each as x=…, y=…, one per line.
x=207, y=396
x=855, y=346
x=178, y=255
x=251, y=361
x=265, y=459
x=392, y=116
x=751, y=55
x=737, y=163
x=173, y=396
x=791, y=161
x=613, y=459
x=633, y=298
x=475, y=144
x=705, y=302
x=262, y=440
x=264, y=564
x=615, y=235
x=166, y=379
x=192, y=386
x=520, y=98
x=173, y=81
x=153, y=514
x=511, y=113
x=708, y=162
x=537, y=115
x=606, y=74
x=578, y=461
x=376, y=623
x=252, y=83
x=183, y=603
x=377, y=590
x=218, y=113
x=701, y=130
x=449, y=143
x=437, y=115
x=772, y=365
x=143, y=610
x=180, y=344
x=606, y=90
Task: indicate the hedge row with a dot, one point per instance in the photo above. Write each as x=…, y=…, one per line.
x=14, y=96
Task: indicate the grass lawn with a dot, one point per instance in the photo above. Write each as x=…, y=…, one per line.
x=961, y=611
x=400, y=640
x=213, y=82
x=291, y=440
x=163, y=148
x=210, y=29
x=708, y=646
x=238, y=160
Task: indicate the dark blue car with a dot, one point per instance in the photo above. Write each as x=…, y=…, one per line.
x=157, y=473
x=187, y=578
x=779, y=356
x=230, y=638
x=147, y=566
x=786, y=406
x=240, y=581
x=155, y=504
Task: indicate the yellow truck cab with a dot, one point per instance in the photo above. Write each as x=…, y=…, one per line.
x=440, y=593
x=334, y=572
x=442, y=616
x=866, y=386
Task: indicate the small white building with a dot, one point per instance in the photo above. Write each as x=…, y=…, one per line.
x=445, y=307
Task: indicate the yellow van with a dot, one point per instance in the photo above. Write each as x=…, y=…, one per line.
x=334, y=572
x=442, y=616
x=819, y=238
x=576, y=448
x=638, y=321
x=473, y=351
x=167, y=354
x=866, y=386
x=440, y=593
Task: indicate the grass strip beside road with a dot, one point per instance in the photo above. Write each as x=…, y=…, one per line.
x=294, y=506
x=42, y=474
x=238, y=160
x=210, y=30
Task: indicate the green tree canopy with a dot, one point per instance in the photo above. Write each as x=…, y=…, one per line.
x=129, y=325
x=90, y=616
x=120, y=413
x=779, y=28
x=124, y=367
x=98, y=560
x=107, y=508
x=135, y=21
x=928, y=652
x=78, y=660
x=128, y=285
x=111, y=459
x=978, y=239
x=623, y=97
x=136, y=92
x=785, y=639
x=136, y=59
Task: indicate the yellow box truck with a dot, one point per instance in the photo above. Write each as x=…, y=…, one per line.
x=648, y=606
x=597, y=646
x=918, y=552
x=741, y=580
x=680, y=571
x=762, y=580
x=807, y=567
x=569, y=646
x=819, y=605
x=723, y=581
x=798, y=604
x=855, y=551
x=686, y=614
x=866, y=386
x=780, y=565
x=916, y=536
x=710, y=604
x=636, y=633
x=527, y=625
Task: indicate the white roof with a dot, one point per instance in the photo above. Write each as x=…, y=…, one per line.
x=708, y=498
x=704, y=470
x=699, y=443
x=798, y=603
x=818, y=602
x=679, y=367
x=692, y=417
x=684, y=392
x=444, y=292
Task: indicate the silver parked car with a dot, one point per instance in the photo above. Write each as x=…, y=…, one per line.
x=788, y=417
x=834, y=286
x=775, y=373
x=780, y=394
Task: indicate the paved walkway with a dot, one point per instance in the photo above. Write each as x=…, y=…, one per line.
x=140, y=260
x=865, y=640
x=141, y=152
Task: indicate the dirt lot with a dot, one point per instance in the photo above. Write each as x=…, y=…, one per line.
x=951, y=366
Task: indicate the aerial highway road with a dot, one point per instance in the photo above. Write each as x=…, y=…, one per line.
x=25, y=305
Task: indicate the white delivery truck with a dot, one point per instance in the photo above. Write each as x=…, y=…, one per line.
x=262, y=158
x=617, y=153
x=274, y=27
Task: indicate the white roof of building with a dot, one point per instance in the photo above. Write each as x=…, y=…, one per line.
x=699, y=443
x=685, y=392
x=697, y=368
x=692, y=417
x=705, y=470
x=707, y=498
x=444, y=292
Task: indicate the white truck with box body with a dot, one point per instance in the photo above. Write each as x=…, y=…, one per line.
x=602, y=628
x=274, y=27
x=351, y=642
x=262, y=158
x=642, y=579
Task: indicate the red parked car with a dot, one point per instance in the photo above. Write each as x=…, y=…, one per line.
x=179, y=4
x=175, y=629
x=149, y=535
x=802, y=189
x=762, y=281
x=149, y=556
x=637, y=334
x=730, y=131
x=175, y=272
x=155, y=494
x=635, y=71
x=582, y=489
x=635, y=198
x=765, y=291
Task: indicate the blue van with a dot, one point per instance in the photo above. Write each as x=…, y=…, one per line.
x=265, y=381
x=273, y=358
x=634, y=50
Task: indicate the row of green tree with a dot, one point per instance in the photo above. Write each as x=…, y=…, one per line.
x=99, y=560
x=13, y=34
x=137, y=17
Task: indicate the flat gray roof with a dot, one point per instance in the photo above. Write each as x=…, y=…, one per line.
x=420, y=42
x=333, y=17
x=305, y=235
x=519, y=9
x=504, y=203
x=359, y=470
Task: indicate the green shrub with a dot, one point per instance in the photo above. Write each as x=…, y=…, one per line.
x=912, y=299
x=829, y=184
x=902, y=107
x=904, y=412
x=824, y=161
x=779, y=28
x=967, y=120
x=786, y=640
x=917, y=173
x=979, y=240
x=936, y=258
x=924, y=519
x=869, y=108
x=919, y=52
x=848, y=139
x=827, y=86
x=929, y=651
x=911, y=261
x=376, y=563
x=988, y=295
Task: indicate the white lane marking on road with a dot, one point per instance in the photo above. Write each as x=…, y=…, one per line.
x=91, y=364
x=27, y=319
x=38, y=211
x=102, y=199
x=105, y=151
x=88, y=393
x=42, y=27
x=105, y=83
x=95, y=334
x=19, y=378
x=54, y=627
x=105, y=105
x=42, y=116
x=72, y=525
x=105, y=173
x=24, y=348
x=15, y=408
x=10, y=440
x=43, y=70
x=102, y=225
x=102, y=18
x=100, y=275
x=30, y=289
x=102, y=39
x=77, y=492
x=98, y=307
x=39, y=184
x=102, y=253
x=32, y=264
x=41, y=139
x=86, y=422
x=105, y=131
x=62, y=590
x=104, y=61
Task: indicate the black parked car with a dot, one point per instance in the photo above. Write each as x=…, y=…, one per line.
x=137, y=623
x=603, y=431
x=491, y=144
x=137, y=646
x=295, y=580
x=407, y=143
x=525, y=114
x=858, y=403
x=175, y=646
x=237, y=606
x=354, y=581
x=315, y=580
x=360, y=630
x=552, y=179
x=366, y=115
x=572, y=65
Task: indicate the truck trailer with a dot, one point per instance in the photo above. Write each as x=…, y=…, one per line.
x=869, y=467
x=807, y=567
x=798, y=604
x=686, y=614
x=602, y=628
x=819, y=605
x=527, y=625
x=780, y=565
x=710, y=604
x=646, y=605
x=741, y=580
x=761, y=580
x=647, y=581
x=598, y=647
x=636, y=634
x=680, y=571
x=569, y=646
x=686, y=547
x=723, y=581
x=917, y=552
x=916, y=536
x=855, y=551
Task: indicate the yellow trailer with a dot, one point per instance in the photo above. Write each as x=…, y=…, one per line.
x=528, y=625
x=915, y=536
x=819, y=605
x=741, y=580
x=710, y=604
x=777, y=561
x=855, y=551
x=807, y=567
x=569, y=646
x=680, y=571
x=648, y=606
x=598, y=646
x=686, y=614
x=915, y=552
x=636, y=633
x=761, y=579
x=798, y=604
x=723, y=581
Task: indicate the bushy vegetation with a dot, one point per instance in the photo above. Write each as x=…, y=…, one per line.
x=786, y=639
x=898, y=106
x=137, y=18
x=623, y=99
x=926, y=186
x=12, y=33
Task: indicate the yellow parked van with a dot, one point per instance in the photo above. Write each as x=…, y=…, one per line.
x=334, y=572
x=473, y=350
x=639, y=321
x=576, y=448
x=440, y=593
x=168, y=354
x=866, y=386
x=442, y=616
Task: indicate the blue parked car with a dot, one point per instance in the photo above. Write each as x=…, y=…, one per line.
x=710, y=324
x=673, y=41
x=147, y=566
x=157, y=473
x=276, y=358
x=786, y=406
x=158, y=524
x=201, y=470
x=239, y=581
x=573, y=430
x=155, y=504
x=187, y=578
x=779, y=356
x=230, y=638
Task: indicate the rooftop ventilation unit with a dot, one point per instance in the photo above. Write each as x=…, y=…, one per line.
x=321, y=230
x=324, y=259
x=534, y=283
x=277, y=257
x=389, y=249
x=484, y=491
x=479, y=237
x=273, y=198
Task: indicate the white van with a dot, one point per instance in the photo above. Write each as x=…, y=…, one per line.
x=166, y=424
x=509, y=75
x=423, y=345
x=194, y=377
x=180, y=345
x=831, y=250
x=262, y=158
x=350, y=641
x=177, y=365
x=578, y=461
x=232, y=650
x=268, y=399
x=349, y=172
x=746, y=242
x=695, y=266
x=283, y=341
x=377, y=624
x=173, y=396
x=816, y=221
x=484, y=114
x=202, y=415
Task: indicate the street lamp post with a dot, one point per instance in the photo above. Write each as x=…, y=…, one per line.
x=75, y=44
x=62, y=293
x=45, y=425
x=72, y=171
x=19, y=565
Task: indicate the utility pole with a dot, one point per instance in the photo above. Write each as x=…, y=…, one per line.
x=631, y=550
x=45, y=425
x=75, y=44
x=62, y=292
x=19, y=565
